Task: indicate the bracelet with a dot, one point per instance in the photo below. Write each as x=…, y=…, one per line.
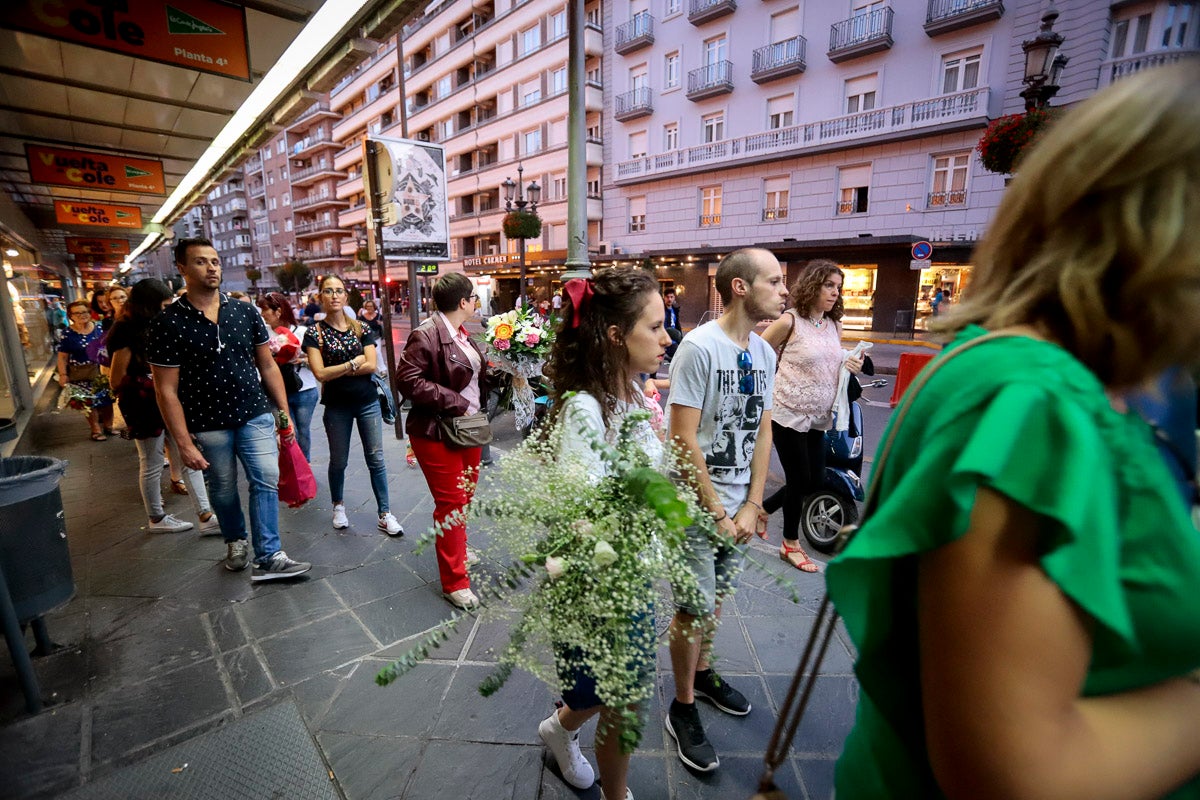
x=724, y=515
x=761, y=510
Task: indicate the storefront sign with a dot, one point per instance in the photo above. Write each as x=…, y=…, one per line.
x=77, y=246
x=80, y=169
x=920, y=263
x=492, y=261
x=412, y=180
x=98, y=214
x=204, y=35
x=968, y=235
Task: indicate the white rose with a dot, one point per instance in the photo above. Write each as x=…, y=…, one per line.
x=603, y=554
x=554, y=566
x=583, y=528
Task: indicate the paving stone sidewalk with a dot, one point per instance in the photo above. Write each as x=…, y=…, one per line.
x=162, y=646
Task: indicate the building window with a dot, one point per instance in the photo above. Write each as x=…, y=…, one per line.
x=532, y=140
x=558, y=80
x=637, y=144
x=286, y=199
x=780, y=113
x=639, y=77
x=949, y=185
x=1180, y=24
x=853, y=185
x=593, y=16
x=271, y=204
x=775, y=198
x=1122, y=44
x=960, y=72
x=670, y=137
x=637, y=214
x=531, y=40
x=672, y=7
x=559, y=186
x=558, y=25
x=531, y=92
x=710, y=206
x=287, y=224
x=671, y=70
x=715, y=50
x=712, y=127
x=593, y=187
x=594, y=77
x=443, y=86
x=860, y=93
x=280, y=146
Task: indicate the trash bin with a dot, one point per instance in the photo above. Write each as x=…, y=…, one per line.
x=33, y=535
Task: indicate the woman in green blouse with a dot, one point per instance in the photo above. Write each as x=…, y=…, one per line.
x=1024, y=598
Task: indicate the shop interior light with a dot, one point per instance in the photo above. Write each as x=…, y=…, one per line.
x=325, y=25
x=12, y=252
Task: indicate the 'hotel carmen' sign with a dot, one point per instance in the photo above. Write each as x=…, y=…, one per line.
x=491, y=261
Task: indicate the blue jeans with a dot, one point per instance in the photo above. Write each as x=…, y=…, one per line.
x=338, y=422
x=301, y=406
x=253, y=444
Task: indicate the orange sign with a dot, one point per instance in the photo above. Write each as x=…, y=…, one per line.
x=81, y=169
x=204, y=35
x=97, y=247
x=69, y=212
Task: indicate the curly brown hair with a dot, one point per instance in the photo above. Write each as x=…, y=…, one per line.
x=807, y=288
x=584, y=358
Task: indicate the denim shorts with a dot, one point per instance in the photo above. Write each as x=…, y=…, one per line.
x=579, y=684
x=716, y=567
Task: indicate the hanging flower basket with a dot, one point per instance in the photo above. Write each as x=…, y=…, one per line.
x=1007, y=138
x=522, y=225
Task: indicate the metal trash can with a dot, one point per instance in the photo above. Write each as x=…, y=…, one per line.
x=33, y=535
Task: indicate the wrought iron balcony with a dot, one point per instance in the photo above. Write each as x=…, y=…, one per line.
x=710, y=220
x=944, y=16
x=635, y=34
x=710, y=80
x=701, y=11
x=861, y=35
x=954, y=197
x=771, y=214
x=779, y=60
x=633, y=104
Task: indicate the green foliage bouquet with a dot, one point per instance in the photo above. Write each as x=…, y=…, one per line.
x=585, y=553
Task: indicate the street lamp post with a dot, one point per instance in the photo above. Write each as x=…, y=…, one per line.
x=1043, y=63
x=518, y=197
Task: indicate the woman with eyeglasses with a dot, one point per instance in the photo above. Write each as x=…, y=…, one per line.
x=341, y=354
x=302, y=386
x=79, y=374
x=808, y=338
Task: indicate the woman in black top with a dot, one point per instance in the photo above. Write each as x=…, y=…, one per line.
x=341, y=354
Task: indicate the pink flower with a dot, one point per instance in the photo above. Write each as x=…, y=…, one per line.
x=531, y=339
x=502, y=344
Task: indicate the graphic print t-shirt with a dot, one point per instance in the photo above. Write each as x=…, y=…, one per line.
x=705, y=375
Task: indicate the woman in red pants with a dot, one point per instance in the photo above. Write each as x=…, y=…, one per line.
x=442, y=373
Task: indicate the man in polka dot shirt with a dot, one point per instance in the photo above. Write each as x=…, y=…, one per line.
x=210, y=360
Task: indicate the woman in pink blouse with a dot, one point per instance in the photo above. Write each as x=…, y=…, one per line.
x=810, y=334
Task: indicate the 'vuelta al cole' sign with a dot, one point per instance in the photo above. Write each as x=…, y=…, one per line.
x=80, y=169
x=101, y=214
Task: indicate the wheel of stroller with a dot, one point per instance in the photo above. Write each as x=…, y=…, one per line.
x=823, y=515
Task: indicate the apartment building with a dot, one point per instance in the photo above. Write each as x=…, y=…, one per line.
x=309, y=181
x=840, y=129
x=229, y=230
x=488, y=81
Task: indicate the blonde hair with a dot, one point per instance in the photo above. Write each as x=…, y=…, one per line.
x=1097, y=240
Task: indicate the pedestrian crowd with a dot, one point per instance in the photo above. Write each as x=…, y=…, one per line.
x=1019, y=590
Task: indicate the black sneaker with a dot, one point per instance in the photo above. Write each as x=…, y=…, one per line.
x=683, y=723
x=716, y=690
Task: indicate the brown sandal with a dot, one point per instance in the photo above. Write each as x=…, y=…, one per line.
x=805, y=565
x=179, y=487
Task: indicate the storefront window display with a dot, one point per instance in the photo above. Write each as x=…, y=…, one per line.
x=858, y=296
x=938, y=290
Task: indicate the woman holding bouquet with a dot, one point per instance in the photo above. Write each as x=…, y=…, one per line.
x=302, y=389
x=86, y=389
x=341, y=354
x=612, y=330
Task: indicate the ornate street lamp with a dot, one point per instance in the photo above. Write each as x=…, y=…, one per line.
x=1043, y=63
x=522, y=221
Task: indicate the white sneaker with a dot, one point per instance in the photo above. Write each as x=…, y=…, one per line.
x=210, y=525
x=462, y=598
x=388, y=524
x=564, y=745
x=339, y=517
x=168, y=524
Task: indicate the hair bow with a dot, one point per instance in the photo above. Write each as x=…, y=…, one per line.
x=580, y=292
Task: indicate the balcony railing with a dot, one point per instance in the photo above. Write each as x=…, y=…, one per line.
x=308, y=172
x=257, y=191
x=710, y=220
x=254, y=165
x=967, y=108
x=860, y=35
x=363, y=67
x=770, y=214
x=701, y=11
x=315, y=108
x=779, y=60
x=635, y=34
x=633, y=104
x=317, y=226
x=315, y=199
x=954, y=197
x=312, y=140
x=1113, y=71
x=944, y=16
x=710, y=80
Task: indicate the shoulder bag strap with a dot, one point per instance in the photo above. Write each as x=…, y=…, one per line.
x=803, y=681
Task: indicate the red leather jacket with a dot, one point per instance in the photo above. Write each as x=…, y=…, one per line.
x=432, y=374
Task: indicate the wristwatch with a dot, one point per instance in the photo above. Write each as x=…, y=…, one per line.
x=281, y=420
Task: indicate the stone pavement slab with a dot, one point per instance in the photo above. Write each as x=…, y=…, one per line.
x=164, y=648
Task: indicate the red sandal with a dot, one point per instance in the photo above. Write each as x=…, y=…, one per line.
x=807, y=565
